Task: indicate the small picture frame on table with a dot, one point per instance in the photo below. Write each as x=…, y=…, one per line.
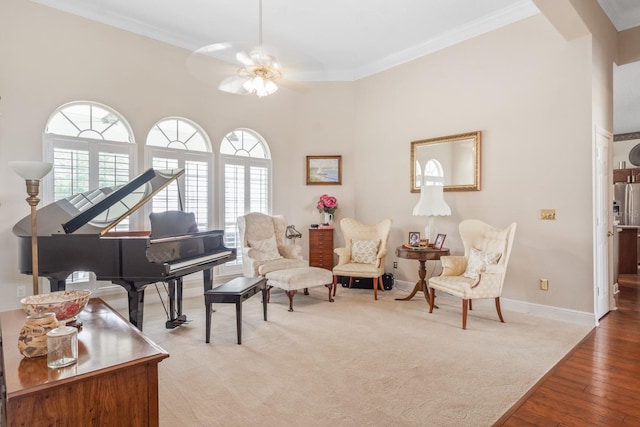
x=414, y=238
x=424, y=243
x=439, y=241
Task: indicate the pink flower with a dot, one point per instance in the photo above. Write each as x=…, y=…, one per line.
x=327, y=204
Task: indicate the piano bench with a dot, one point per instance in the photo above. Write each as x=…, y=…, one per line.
x=235, y=291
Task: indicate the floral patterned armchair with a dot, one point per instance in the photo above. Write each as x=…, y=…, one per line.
x=264, y=245
x=480, y=272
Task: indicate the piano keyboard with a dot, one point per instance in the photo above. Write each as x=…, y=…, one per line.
x=173, y=267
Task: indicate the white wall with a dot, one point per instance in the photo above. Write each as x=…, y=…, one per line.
x=50, y=58
x=529, y=92
x=523, y=86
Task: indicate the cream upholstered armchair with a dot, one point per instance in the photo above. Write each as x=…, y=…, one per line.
x=480, y=272
x=264, y=247
x=364, y=252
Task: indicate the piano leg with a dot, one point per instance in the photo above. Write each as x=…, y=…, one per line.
x=179, y=296
x=136, y=306
x=176, y=318
x=57, y=284
x=171, y=288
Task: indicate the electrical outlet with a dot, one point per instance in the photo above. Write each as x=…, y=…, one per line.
x=21, y=291
x=544, y=284
x=395, y=264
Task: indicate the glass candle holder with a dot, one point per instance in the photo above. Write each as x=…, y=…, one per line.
x=62, y=347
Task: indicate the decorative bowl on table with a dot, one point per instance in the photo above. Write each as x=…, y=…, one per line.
x=65, y=304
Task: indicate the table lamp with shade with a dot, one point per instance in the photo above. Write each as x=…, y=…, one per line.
x=431, y=204
x=32, y=172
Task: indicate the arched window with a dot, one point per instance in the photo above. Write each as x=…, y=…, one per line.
x=176, y=142
x=90, y=146
x=246, y=187
x=418, y=177
x=433, y=173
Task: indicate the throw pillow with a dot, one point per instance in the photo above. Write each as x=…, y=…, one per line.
x=478, y=260
x=268, y=249
x=364, y=251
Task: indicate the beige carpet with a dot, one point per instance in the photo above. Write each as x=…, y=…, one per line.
x=354, y=362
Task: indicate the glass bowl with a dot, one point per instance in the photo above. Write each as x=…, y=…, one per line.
x=65, y=304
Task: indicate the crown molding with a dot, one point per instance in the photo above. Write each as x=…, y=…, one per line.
x=518, y=11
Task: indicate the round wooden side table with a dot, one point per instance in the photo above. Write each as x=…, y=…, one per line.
x=422, y=255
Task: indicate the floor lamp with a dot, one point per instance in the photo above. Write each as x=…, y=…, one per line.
x=431, y=203
x=33, y=172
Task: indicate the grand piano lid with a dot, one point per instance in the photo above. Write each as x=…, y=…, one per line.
x=98, y=211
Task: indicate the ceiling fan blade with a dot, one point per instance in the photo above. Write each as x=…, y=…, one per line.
x=245, y=59
x=212, y=48
x=234, y=85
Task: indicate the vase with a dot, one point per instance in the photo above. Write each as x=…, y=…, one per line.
x=32, y=341
x=328, y=218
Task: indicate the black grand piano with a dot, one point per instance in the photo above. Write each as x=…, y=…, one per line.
x=78, y=234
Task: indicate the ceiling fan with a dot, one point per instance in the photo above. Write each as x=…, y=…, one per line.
x=259, y=69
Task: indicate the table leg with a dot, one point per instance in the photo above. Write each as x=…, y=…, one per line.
x=421, y=285
x=264, y=301
x=239, y=319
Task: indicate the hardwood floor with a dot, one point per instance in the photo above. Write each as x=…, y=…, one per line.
x=597, y=383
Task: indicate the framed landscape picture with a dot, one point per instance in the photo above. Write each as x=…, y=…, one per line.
x=324, y=170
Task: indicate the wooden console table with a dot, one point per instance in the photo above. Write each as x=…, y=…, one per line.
x=422, y=256
x=114, y=382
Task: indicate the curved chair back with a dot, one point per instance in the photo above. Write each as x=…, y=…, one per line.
x=352, y=229
x=259, y=226
x=484, y=237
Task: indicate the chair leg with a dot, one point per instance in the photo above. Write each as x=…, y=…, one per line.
x=291, y=294
x=432, y=298
x=375, y=288
x=330, y=286
x=470, y=304
x=335, y=284
x=465, y=305
x=498, y=309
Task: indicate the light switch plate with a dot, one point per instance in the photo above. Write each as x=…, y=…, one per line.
x=548, y=214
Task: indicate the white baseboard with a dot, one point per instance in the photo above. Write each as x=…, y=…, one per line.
x=546, y=311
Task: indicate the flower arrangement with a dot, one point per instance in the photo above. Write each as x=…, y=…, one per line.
x=327, y=204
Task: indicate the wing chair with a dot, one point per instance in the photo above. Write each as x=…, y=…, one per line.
x=480, y=272
x=364, y=252
x=263, y=245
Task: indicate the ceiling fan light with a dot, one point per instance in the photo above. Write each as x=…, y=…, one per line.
x=248, y=86
x=258, y=84
x=270, y=87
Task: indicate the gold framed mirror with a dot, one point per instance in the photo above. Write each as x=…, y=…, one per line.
x=453, y=160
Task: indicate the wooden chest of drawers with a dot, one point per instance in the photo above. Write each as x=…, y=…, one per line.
x=321, y=248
